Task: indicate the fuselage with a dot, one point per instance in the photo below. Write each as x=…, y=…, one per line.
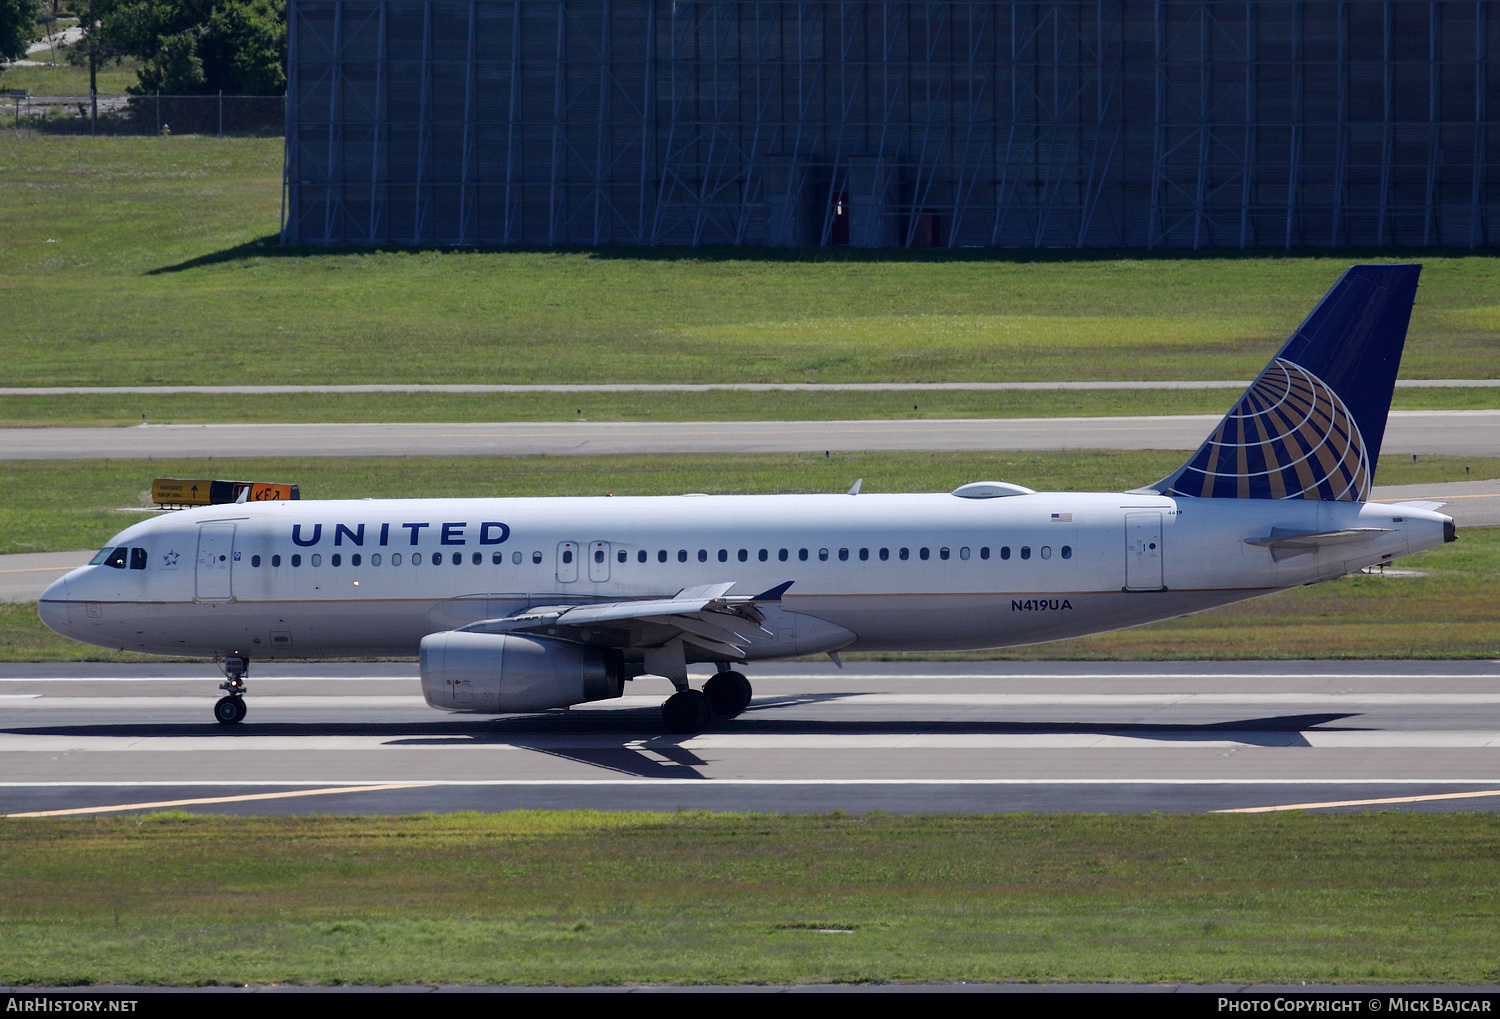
x=868, y=572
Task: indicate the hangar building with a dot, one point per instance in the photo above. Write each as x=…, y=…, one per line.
x=1087, y=123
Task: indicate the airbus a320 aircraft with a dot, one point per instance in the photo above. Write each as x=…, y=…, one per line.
x=519, y=605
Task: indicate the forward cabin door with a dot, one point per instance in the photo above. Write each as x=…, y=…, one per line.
x=1143, y=552
x=215, y=562
x=598, y=561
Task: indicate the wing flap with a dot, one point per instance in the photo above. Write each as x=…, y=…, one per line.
x=707, y=617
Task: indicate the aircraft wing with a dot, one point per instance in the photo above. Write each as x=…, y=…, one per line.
x=707, y=617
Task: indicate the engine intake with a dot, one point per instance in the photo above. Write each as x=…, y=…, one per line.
x=497, y=672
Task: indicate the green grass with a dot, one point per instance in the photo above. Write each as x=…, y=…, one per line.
x=66, y=79
x=154, y=276
x=733, y=898
x=1452, y=610
x=194, y=408
x=54, y=505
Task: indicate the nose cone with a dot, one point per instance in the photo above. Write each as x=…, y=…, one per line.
x=53, y=606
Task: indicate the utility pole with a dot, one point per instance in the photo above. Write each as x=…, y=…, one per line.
x=93, y=81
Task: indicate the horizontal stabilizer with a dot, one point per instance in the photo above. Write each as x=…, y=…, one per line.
x=1285, y=543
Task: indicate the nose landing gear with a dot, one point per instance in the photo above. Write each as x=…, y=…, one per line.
x=230, y=709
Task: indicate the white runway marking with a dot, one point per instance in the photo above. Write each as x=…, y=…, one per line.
x=236, y=743
x=364, y=784
x=1352, y=699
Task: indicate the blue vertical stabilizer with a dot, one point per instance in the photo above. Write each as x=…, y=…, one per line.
x=1311, y=425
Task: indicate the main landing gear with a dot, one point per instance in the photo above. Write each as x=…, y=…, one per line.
x=689, y=711
x=231, y=708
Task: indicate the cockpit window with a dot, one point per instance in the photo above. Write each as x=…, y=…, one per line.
x=137, y=559
x=103, y=555
x=116, y=557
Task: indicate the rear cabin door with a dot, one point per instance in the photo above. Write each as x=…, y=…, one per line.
x=215, y=562
x=1143, y=552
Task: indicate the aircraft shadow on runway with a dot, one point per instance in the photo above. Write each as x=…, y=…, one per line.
x=632, y=742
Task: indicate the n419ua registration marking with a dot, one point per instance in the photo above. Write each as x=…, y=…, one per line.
x=529, y=604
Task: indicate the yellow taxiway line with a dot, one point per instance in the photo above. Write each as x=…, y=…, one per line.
x=1360, y=803
x=164, y=804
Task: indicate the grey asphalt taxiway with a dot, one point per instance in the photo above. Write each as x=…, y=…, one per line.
x=1455, y=432
x=900, y=737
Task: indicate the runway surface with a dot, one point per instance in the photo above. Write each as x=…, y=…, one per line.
x=1458, y=432
x=902, y=737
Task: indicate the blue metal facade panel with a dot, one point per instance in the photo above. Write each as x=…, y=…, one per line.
x=1088, y=123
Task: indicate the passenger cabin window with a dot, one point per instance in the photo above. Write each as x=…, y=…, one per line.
x=297, y=560
x=335, y=559
x=478, y=559
x=822, y=555
x=255, y=561
x=1004, y=551
x=923, y=554
x=395, y=558
x=904, y=554
x=355, y=560
x=536, y=557
x=496, y=559
x=661, y=556
x=765, y=554
x=1067, y=551
x=276, y=560
x=1025, y=551
x=802, y=554
x=984, y=552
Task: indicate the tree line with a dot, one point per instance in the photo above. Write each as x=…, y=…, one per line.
x=184, y=47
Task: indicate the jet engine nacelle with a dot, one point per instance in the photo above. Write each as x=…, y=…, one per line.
x=495, y=672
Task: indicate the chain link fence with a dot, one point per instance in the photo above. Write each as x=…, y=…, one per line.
x=217, y=115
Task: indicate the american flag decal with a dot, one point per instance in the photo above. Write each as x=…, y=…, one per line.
x=1062, y=518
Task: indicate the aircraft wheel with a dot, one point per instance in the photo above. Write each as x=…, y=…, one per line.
x=229, y=710
x=728, y=693
x=687, y=712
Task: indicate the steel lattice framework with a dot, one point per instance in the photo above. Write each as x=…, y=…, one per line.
x=1089, y=123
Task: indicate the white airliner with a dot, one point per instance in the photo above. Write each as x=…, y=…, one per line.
x=521, y=605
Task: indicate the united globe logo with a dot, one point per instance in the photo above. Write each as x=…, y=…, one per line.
x=1289, y=437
